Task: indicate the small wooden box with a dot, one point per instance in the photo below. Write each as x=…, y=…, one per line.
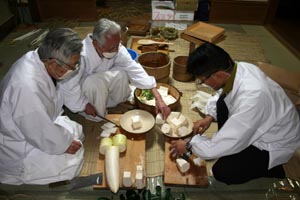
x=200, y=32
x=204, y=31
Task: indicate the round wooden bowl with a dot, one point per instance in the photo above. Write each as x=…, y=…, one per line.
x=156, y=64
x=172, y=91
x=179, y=69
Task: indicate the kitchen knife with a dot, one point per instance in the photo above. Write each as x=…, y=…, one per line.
x=84, y=181
x=79, y=182
x=108, y=120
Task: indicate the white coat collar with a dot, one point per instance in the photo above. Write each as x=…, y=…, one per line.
x=89, y=51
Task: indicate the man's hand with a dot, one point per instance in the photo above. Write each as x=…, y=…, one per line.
x=160, y=105
x=162, y=108
x=74, y=147
x=202, y=125
x=90, y=110
x=177, y=148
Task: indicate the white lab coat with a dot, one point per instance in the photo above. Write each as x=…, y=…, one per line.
x=105, y=82
x=260, y=114
x=32, y=138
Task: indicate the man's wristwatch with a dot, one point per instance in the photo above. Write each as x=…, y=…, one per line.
x=188, y=146
x=188, y=153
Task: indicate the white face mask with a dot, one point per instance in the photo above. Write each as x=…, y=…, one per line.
x=109, y=55
x=68, y=74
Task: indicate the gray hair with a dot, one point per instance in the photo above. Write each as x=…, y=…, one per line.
x=61, y=43
x=103, y=28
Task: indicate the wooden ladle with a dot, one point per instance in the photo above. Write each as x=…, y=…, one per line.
x=149, y=42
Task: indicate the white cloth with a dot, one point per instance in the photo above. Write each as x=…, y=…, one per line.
x=107, y=89
x=32, y=146
x=210, y=107
x=99, y=79
x=202, y=100
x=260, y=114
x=71, y=126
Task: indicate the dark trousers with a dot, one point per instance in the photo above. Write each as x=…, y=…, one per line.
x=251, y=163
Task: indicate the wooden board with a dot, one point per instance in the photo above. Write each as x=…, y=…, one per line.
x=196, y=176
x=134, y=155
x=137, y=47
x=204, y=31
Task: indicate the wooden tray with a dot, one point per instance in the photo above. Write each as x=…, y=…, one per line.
x=198, y=41
x=134, y=155
x=196, y=176
x=138, y=27
x=204, y=31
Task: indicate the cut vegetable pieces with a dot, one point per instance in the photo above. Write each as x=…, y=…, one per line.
x=112, y=168
x=182, y=165
x=104, y=144
x=127, y=179
x=120, y=140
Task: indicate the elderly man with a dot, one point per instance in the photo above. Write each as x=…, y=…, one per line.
x=259, y=127
x=106, y=71
x=37, y=144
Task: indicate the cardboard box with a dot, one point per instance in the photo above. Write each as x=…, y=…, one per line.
x=186, y=5
x=184, y=15
x=162, y=10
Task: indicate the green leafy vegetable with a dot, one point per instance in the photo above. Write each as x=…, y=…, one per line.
x=147, y=93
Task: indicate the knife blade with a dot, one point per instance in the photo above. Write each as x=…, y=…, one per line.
x=79, y=182
x=104, y=118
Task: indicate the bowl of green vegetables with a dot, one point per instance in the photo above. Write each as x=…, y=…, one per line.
x=144, y=98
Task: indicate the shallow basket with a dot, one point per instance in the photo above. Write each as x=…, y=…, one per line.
x=172, y=91
x=156, y=64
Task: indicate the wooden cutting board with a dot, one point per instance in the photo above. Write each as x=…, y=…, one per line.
x=196, y=176
x=134, y=155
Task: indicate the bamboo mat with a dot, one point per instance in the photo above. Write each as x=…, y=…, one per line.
x=155, y=153
x=125, y=10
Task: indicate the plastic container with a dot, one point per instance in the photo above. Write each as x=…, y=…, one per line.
x=133, y=53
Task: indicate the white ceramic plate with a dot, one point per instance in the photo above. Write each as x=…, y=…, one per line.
x=146, y=118
x=189, y=127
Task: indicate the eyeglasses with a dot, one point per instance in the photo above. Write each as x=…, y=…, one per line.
x=200, y=82
x=62, y=63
